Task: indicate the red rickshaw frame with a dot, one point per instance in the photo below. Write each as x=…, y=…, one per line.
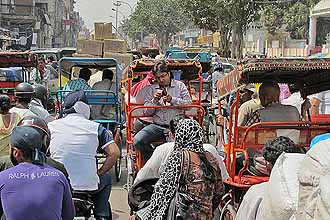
x=140, y=67
x=308, y=76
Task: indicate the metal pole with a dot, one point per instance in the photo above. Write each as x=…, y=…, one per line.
x=117, y=4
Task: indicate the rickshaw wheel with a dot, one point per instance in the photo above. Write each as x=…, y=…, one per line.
x=119, y=142
x=228, y=212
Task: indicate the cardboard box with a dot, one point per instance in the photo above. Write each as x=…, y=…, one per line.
x=122, y=58
x=103, y=30
x=115, y=46
x=92, y=47
x=107, y=31
x=98, y=29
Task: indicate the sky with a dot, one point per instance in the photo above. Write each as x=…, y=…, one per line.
x=101, y=11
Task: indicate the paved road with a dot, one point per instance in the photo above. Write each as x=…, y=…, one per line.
x=118, y=198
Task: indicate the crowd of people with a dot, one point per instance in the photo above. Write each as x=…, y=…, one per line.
x=43, y=157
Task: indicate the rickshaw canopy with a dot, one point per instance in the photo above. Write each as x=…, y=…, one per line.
x=18, y=59
x=309, y=76
x=191, y=69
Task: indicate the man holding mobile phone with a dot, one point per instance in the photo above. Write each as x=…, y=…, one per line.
x=164, y=92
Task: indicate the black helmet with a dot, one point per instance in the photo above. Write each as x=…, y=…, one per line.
x=41, y=126
x=4, y=102
x=139, y=195
x=40, y=91
x=24, y=90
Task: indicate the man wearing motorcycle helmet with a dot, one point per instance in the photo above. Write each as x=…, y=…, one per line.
x=24, y=92
x=32, y=189
x=38, y=103
x=41, y=126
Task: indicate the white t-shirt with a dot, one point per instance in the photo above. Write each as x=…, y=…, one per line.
x=74, y=143
x=295, y=100
x=22, y=112
x=324, y=97
x=154, y=165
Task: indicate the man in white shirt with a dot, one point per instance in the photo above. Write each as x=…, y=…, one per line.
x=104, y=111
x=24, y=92
x=154, y=165
x=41, y=74
x=165, y=92
x=75, y=140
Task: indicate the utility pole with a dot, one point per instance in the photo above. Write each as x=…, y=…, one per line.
x=117, y=4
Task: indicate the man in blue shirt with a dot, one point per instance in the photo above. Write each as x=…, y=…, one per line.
x=81, y=83
x=31, y=189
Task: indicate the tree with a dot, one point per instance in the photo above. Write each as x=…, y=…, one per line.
x=159, y=17
x=290, y=16
x=296, y=20
x=243, y=13
x=208, y=15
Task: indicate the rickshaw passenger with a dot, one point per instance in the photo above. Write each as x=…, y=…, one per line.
x=40, y=74
x=104, y=111
x=251, y=202
x=24, y=92
x=38, y=104
x=248, y=107
x=75, y=141
x=273, y=110
x=141, y=122
x=154, y=166
x=165, y=92
x=80, y=83
x=246, y=94
x=7, y=123
x=138, y=95
x=32, y=189
x=192, y=171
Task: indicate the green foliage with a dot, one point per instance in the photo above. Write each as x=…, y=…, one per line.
x=156, y=17
x=287, y=16
x=204, y=13
x=296, y=20
x=271, y=17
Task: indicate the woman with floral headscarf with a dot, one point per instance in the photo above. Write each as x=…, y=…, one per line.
x=203, y=184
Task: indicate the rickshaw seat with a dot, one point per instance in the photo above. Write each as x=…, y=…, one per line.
x=259, y=136
x=101, y=99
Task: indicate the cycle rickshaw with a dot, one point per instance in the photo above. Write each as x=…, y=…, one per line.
x=68, y=67
x=307, y=76
x=184, y=70
x=15, y=67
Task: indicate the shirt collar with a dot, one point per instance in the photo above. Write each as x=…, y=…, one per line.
x=272, y=104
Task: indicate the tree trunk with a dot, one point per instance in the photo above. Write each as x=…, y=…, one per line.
x=224, y=38
x=237, y=41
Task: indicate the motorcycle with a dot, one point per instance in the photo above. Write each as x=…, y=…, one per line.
x=83, y=205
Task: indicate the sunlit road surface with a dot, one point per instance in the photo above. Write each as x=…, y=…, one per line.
x=118, y=198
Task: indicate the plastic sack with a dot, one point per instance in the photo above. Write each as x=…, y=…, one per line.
x=281, y=196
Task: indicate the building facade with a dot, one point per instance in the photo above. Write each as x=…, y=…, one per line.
x=40, y=23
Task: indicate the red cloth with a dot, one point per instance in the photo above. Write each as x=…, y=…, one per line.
x=143, y=83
